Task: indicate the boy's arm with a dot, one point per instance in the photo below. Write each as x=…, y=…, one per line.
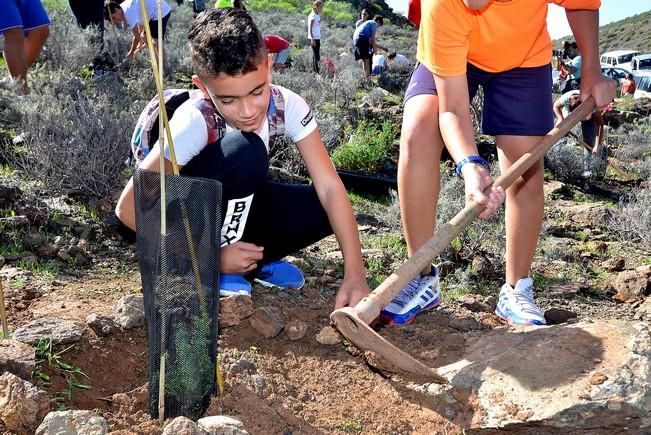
x=558, y=111
x=456, y=129
x=585, y=27
x=125, y=208
x=333, y=197
x=135, y=42
x=376, y=45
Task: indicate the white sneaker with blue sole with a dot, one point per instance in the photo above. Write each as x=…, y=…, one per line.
x=423, y=293
x=517, y=306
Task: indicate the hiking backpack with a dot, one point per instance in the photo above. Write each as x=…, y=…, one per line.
x=145, y=134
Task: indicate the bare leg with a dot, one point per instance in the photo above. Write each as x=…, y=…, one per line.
x=419, y=175
x=366, y=67
x=14, y=54
x=34, y=43
x=524, y=207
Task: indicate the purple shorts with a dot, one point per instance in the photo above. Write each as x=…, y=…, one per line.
x=517, y=102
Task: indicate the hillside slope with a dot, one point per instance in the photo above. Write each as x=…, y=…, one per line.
x=632, y=33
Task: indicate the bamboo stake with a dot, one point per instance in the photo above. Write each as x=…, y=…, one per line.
x=3, y=314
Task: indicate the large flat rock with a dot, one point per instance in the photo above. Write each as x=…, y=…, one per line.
x=587, y=377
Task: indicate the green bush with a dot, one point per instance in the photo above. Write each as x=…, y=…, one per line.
x=368, y=148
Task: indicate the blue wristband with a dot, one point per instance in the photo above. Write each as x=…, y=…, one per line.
x=472, y=159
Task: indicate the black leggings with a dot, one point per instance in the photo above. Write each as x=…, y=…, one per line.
x=316, y=52
x=282, y=218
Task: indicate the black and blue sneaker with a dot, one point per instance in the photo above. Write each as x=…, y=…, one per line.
x=423, y=293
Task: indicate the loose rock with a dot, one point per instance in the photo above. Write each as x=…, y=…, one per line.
x=182, y=426
x=72, y=422
x=296, y=329
x=60, y=331
x=18, y=358
x=130, y=311
x=222, y=425
x=328, y=336
x=101, y=325
x=234, y=309
x=22, y=405
x=267, y=321
x=555, y=316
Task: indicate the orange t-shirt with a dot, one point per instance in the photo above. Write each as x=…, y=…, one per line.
x=499, y=37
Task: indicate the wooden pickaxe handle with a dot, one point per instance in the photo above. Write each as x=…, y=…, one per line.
x=368, y=309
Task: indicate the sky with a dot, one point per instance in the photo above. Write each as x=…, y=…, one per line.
x=611, y=10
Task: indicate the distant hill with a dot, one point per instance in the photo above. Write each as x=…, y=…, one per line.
x=632, y=33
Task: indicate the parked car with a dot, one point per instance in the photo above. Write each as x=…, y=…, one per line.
x=616, y=73
x=641, y=63
x=643, y=88
x=619, y=58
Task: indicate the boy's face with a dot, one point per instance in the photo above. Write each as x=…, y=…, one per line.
x=117, y=16
x=318, y=8
x=241, y=99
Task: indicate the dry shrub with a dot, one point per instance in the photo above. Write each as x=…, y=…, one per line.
x=632, y=220
x=75, y=134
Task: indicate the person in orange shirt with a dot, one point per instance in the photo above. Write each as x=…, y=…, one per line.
x=503, y=46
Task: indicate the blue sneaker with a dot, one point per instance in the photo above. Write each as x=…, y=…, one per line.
x=516, y=305
x=423, y=293
x=231, y=284
x=280, y=274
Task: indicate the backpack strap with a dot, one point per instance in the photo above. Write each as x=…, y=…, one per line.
x=215, y=124
x=276, y=117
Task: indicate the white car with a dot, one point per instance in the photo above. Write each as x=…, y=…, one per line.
x=641, y=64
x=619, y=58
x=643, y=87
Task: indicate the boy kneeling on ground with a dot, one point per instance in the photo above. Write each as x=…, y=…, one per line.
x=263, y=221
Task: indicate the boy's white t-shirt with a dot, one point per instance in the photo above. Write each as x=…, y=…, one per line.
x=190, y=133
x=316, y=27
x=379, y=60
x=132, y=15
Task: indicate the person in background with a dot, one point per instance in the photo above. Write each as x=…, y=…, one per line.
x=25, y=26
x=89, y=13
x=399, y=59
x=279, y=47
x=628, y=87
x=314, y=33
x=379, y=64
x=363, y=16
x=592, y=128
x=571, y=69
x=129, y=12
x=365, y=43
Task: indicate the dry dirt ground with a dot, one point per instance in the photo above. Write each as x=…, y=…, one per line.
x=290, y=386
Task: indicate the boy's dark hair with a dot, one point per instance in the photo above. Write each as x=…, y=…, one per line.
x=379, y=19
x=109, y=9
x=225, y=41
x=392, y=54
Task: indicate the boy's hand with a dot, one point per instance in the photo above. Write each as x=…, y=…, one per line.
x=240, y=258
x=476, y=180
x=352, y=291
x=602, y=88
